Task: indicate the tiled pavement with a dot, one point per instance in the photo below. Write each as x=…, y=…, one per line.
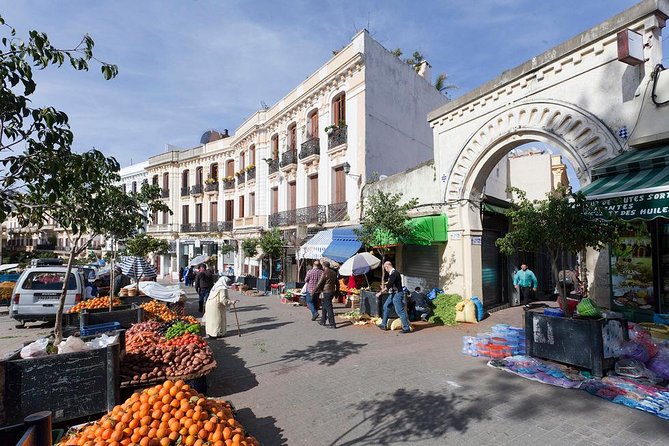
x=295, y=382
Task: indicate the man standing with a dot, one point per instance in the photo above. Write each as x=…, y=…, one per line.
x=312, y=279
x=204, y=281
x=120, y=281
x=329, y=286
x=526, y=282
x=395, y=297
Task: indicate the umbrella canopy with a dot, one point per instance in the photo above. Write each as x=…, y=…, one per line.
x=202, y=258
x=137, y=267
x=8, y=266
x=359, y=264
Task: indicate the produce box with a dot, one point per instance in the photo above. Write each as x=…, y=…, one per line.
x=125, y=317
x=71, y=385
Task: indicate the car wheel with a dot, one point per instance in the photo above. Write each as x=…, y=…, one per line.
x=21, y=324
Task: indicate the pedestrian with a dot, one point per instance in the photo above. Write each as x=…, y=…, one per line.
x=526, y=282
x=204, y=281
x=311, y=280
x=395, y=297
x=419, y=305
x=328, y=284
x=120, y=281
x=215, y=316
x=191, y=276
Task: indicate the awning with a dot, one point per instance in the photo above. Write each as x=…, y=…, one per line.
x=314, y=247
x=344, y=244
x=424, y=232
x=495, y=209
x=634, y=185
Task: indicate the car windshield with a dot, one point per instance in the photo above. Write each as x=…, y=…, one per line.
x=48, y=281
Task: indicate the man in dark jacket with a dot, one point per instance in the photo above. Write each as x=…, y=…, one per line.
x=204, y=281
x=120, y=281
x=395, y=297
x=329, y=286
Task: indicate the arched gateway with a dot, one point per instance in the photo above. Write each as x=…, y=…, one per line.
x=576, y=97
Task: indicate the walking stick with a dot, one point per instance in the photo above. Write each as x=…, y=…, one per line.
x=239, y=331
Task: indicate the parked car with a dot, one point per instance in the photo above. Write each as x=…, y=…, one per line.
x=9, y=272
x=36, y=294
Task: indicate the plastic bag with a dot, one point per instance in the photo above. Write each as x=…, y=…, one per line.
x=634, y=350
x=304, y=289
x=432, y=295
x=660, y=365
x=72, y=345
x=465, y=311
x=635, y=369
x=35, y=349
x=479, y=308
x=101, y=342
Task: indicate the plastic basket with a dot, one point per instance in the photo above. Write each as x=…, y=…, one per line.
x=662, y=319
x=555, y=312
x=100, y=328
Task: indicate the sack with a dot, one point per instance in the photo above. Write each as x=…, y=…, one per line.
x=480, y=312
x=465, y=311
x=432, y=295
x=35, y=349
x=304, y=289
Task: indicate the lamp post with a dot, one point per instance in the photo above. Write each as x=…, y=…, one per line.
x=2, y=239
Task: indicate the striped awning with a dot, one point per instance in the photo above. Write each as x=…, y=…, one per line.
x=629, y=183
x=314, y=247
x=633, y=160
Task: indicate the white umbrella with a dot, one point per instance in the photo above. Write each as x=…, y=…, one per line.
x=359, y=264
x=202, y=258
x=137, y=267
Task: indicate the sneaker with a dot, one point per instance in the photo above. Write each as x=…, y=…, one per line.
x=405, y=331
x=314, y=317
x=332, y=326
x=382, y=327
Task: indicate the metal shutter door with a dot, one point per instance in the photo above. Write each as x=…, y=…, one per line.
x=422, y=261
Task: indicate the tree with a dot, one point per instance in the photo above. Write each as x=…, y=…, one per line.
x=37, y=131
x=384, y=221
x=79, y=193
x=563, y=222
x=272, y=246
x=250, y=246
x=415, y=62
x=141, y=245
x=226, y=248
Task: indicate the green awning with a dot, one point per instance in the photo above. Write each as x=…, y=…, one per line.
x=424, y=231
x=634, y=185
x=494, y=208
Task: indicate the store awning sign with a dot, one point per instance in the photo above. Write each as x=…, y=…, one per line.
x=645, y=206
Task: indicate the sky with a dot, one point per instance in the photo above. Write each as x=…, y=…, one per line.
x=193, y=65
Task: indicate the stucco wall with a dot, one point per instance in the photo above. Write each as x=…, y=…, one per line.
x=419, y=182
x=532, y=173
x=397, y=103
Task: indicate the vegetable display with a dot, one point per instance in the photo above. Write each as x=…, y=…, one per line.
x=167, y=414
x=160, y=312
x=95, y=303
x=180, y=327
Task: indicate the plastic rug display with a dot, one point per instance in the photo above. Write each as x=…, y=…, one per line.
x=650, y=398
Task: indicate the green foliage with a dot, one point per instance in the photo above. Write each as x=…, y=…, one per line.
x=142, y=244
x=27, y=133
x=383, y=216
x=271, y=243
x=250, y=246
x=226, y=249
x=444, y=309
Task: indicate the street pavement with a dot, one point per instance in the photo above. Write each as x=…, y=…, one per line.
x=294, y=382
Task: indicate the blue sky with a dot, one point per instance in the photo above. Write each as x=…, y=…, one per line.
x=189, y=66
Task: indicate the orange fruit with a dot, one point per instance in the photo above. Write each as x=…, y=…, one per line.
x=227, y=433
x=165, y=441
x=209, y=426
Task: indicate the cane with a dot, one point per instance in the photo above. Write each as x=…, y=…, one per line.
x=239, y=331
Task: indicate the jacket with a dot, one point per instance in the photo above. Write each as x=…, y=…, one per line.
x=328, y=282
x=394, y=282
x=313, y=277
x=204, y=280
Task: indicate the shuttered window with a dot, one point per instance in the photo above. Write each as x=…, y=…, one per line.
x=422, y=262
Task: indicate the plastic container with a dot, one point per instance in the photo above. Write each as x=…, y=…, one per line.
x=498, y=341
x=499, y=351
x=483, y=349
x=100, y=328
x=555, y=312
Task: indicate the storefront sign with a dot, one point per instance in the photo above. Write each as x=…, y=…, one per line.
x=632, y=270
x=455, y=235
x=476, y=240
x=641, y=206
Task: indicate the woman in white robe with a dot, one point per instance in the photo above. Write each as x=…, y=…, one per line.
x=215, y=318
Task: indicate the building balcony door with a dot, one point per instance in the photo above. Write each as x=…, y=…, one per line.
x=339, y=185
x=313, y=190
x=229, y=210
x=292, y=195
x=275, y=200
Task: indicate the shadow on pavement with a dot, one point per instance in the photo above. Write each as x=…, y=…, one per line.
x=328, y=352
x=231, y=375
x=252, y=308
x=260, y=320
x=411, y=415
x=248, y=330
x=264, y=429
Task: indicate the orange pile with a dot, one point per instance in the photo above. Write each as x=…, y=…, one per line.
x=160, y=312
x=95, y=303
x=164, y=415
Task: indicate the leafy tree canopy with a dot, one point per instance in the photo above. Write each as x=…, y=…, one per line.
x=250, y=246
x=271, y=243
x=383, y=218
x=142, y=244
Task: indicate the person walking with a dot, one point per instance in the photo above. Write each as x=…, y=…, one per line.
x=204, y=281
x=311, y=280
x=120, y=281
x=526, y=282
x=395, y=297
x=328, y=284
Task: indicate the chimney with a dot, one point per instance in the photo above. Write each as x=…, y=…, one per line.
x=225, y=133
x=424, y=70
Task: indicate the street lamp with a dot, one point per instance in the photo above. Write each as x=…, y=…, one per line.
x=347, y=171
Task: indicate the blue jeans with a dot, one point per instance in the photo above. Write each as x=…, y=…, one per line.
x=312, y=303
x=204, y=295
x=396, y=299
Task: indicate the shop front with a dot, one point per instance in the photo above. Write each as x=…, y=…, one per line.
x=635, y=187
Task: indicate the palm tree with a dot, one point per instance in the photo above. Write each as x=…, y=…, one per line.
x=441, y=85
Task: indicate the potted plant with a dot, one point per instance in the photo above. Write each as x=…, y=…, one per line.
x=210, y=180
x=229, y=178
x=329, y=129
x=250, y=167
x=240, y=173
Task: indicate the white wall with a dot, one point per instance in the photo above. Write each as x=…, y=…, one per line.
x=498, y=181
x=532, y=173
x=419, y=182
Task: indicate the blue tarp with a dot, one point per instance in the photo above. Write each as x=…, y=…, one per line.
x=344, y=244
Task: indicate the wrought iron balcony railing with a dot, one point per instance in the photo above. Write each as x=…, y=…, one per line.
x=164, y=193
x=273, y=166
x=337, y=211
x=196, y=189
x=211, y=187
x=185, y=191
x=311, y=214
x=283, y=218
x=228, y=184
x=288, y=158
x=241, y=179
x=251, y=174
x=311, y=147
x=337, y=137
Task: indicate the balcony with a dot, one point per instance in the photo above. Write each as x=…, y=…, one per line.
x=228, y=184
x=164, y=193
x=159, y=228
x=283, y=218
x=288, y=159
x=251, y=174
x=273, y=166
x=337, y=137
x=241, y=179
x=196, y=189
x=221, y=226
x=185, y=191
x=211, y=187
x=194, y=227
x=311, y=214
x=337, y=211
x=310, y=148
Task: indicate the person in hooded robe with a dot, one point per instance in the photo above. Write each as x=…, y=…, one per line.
x=215, y=311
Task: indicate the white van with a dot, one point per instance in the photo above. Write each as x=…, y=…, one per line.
x=38, y=290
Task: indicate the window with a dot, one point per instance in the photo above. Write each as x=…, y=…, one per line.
x=242, y=161
x=241, y=206
x=339, y=185
x=252, y=154
x=292, y=137
x=48, y=281
x=198, y=176
x=312, y=125
x=275, y=147
x=134, y=187
x=198, y=213
x=184, y=214
x=213, y=171
x=213, y=212
x=339, y=109
x=185, y=178
x=275, y=200
x=252, y=204
x=154, y=218
x=292, y=195
x=230, y=168
x=166, y=181
x=313, y=190
x=154, y=180
x=166, y=218
x=125, y=188
x=229, y=210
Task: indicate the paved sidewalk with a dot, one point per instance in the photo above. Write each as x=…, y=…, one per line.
x=295, y=382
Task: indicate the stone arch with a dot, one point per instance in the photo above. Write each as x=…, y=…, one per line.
x=585, y=140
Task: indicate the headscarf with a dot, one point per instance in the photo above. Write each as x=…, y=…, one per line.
x=221, y=284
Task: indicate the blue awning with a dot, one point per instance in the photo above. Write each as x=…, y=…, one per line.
x=344, y=245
